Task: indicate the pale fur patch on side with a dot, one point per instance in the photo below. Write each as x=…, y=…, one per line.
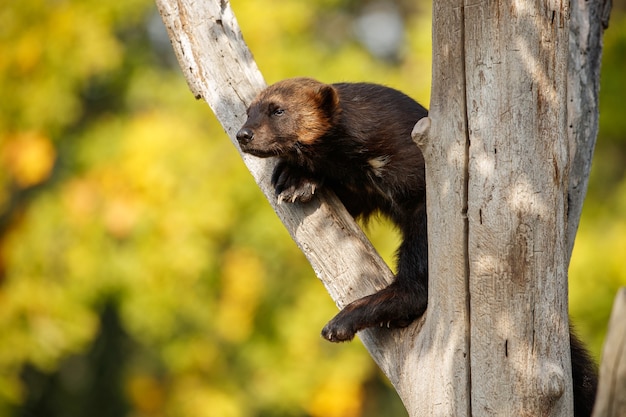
x=378, y=164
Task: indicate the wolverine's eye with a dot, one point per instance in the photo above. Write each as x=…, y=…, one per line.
x=278, y=112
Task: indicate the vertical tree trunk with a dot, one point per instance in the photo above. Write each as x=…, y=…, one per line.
x=442, y=361
x=516, y=60
x=510, y=139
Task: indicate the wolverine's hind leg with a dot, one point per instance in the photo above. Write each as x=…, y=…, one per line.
x=401, y=302
x=392, y=307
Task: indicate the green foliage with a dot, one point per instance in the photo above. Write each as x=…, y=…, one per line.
x=141, y=270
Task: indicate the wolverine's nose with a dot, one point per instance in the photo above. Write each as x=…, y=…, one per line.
x=245, y=135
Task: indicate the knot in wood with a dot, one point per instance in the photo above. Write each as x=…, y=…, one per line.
x=551, y=382
x=420, y=133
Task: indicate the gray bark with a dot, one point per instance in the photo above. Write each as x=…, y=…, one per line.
x=517, y=197
x=611, y=399
x=588, y=21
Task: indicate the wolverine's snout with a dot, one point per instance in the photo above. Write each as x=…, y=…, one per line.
x=245, y=135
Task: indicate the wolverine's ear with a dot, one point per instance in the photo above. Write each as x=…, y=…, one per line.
x=327, y=98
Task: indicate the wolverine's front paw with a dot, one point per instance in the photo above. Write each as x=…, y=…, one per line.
x=301, y=192
x=293, y=184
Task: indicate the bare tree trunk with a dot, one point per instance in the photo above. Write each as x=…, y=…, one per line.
x=589, y=19
x=611, y=400
x=497, y=173
x=516, y=60
x=442, y=357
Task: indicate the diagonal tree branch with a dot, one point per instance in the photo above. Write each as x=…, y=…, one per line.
x=220, y=69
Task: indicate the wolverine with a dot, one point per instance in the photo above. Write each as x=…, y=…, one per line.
x=355, y=139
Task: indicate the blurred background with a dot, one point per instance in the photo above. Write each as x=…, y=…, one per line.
x=143, y=274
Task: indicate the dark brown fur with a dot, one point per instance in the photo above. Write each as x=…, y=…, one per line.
x=356, y=139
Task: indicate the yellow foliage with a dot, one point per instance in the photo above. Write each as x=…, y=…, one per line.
x=29, y=157
x=242, y=284
x=198, y=354
x=28, y=52
x=81, y=200
x=11, y=389
x=42, y=322
x=596, y=272
x=120, y=217
x=146, y=393
x=337, y=398
x=192, y=397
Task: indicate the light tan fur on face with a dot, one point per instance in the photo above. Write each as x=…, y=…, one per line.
x=303, y=98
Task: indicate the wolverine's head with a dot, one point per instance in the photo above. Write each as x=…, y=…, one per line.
x=288, y=115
